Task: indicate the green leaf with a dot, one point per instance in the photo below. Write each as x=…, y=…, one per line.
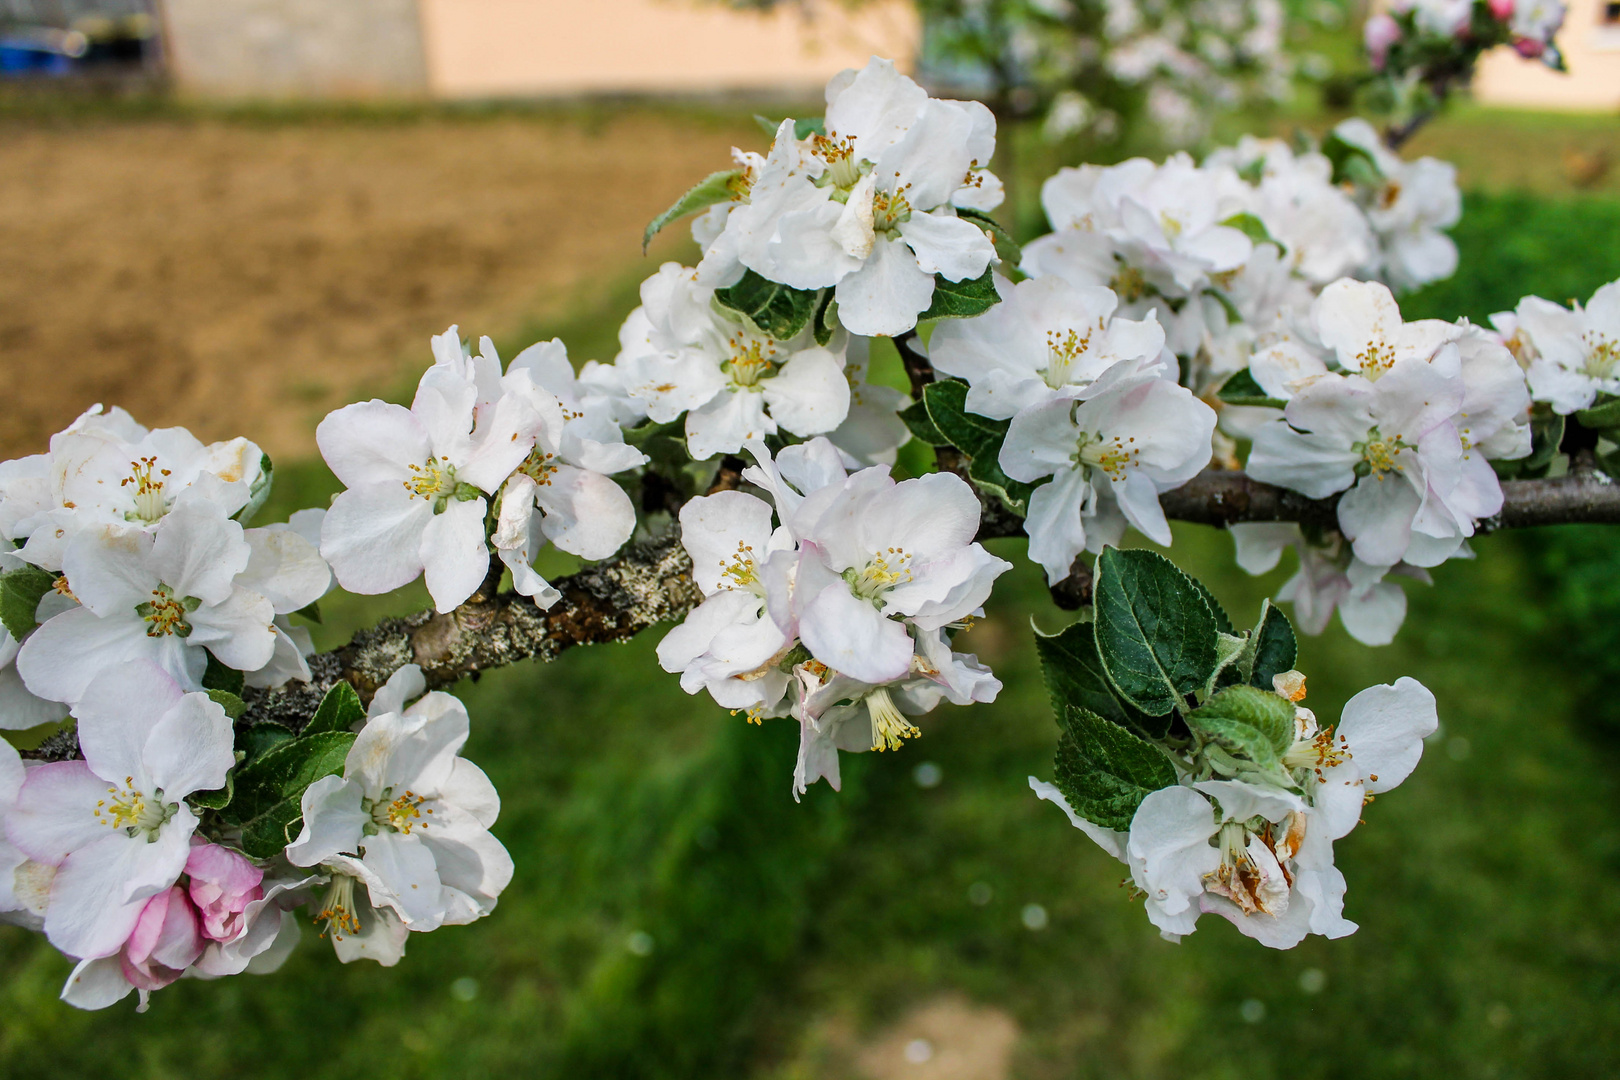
x=802, y=129
x=1006, y=246
x=1254, y=229
x=258, y=492
x=1104, y=771
x=1223, y=621
x=310, y=611
x=978, y=437
x=1351, y=163
x=922, y=428
x=1241, y=389
x=1254, y=723
x=962, y=299
x=717, y=187
x=217, y=799
x=254, y=739
x=1075, y=677
x=775, y=310
x=1233, y=315
x=339, y=710
x=1272, y=650
x=1155, y=632
x=234, y=706
x=270, y=789
x=826, y=320
x=20, y=593
x=1601, y=417
x=219, y=677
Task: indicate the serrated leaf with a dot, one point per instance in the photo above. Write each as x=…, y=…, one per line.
x=270, y=789
x=1155, y=632
x=1105, y=771
x=717, y=187
x=998, y=234
x=216, y=676
x=258, y=492
x=20, y=593
x=1273, y=648
x=776, y=310
x=1223, y=621
x=962, y=299
x=234, y=706
x=1601, y=417
x=339, y=710
x=1254, y=229
x=254, y=739
x=1241, y=389
x=1075, y=677
x=978, y=437
x=922, y=428
x=1253, y=723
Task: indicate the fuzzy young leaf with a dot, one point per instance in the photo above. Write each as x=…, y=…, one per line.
x=217, y=799
x=1104, y=771
x=1254, y=723
x=978, y=437
x=717, y=187
x=20, y=593
x=339, y=710
x=216, y=676
x=1254, y=229
x=270, y=789
x=234, y=706
x=775, y=310
x=1241, y=389
x=1273, y=649
x=962, y=299
x=258, y=493
x=826, y=320
x=1075, y=677
x=1155, y=632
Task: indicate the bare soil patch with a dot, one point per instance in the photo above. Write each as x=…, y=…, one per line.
x=244, y=278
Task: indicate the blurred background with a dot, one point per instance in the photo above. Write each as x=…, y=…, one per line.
x=237, y=215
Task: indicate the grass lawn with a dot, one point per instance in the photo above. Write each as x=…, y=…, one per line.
x=676, y=914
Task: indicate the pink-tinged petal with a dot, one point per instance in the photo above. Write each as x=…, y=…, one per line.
x=1376, y=517
x=927, y=517
x=1260, y=544
x=99, y=890
x=109, y=567
x=884, y=297
x=55, y=811
x=1311, y=464
x=191, y=748
x=810, y=395
x=372, y=536
x=455, y=558
x=118, y=713
x=240, y=632
x=1385, y=727
x=199, y=551
x=372, y=442
x=222, y=884
x=848, y=635
x=405, y=865
x=96, y=984
x=948, y=589
x=165, y=941
x=333, y=821
x=586, y=514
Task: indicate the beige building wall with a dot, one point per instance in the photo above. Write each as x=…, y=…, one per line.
x=295, y=48
x=505, y=48
x=1592, y=52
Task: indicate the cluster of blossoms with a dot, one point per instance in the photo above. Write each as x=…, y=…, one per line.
x=1420, y=41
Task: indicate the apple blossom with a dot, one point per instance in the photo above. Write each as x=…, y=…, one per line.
x=1573, y=353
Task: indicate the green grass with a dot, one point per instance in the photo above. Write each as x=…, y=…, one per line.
x=1485, y=886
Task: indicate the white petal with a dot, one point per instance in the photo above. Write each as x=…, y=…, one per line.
x=848, y=635
x=118, y=712
x=372, y=536
x=810, y=395
x=371, y=442
x=1385, y=727
x=191, y=748
x=885, y=296
x=455, y=558
x=333, y=821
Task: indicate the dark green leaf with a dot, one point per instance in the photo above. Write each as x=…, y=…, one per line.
x=1006, y=246
x=1601, y=417
x=1155, y=632
x=978, y=437
x=339, y=710
x=776, y=310
x=1241, y=389
x=1253, y=723
x=311, y=611
x=1075, y=677
x=254, y=739
x=802, y=129
x=1351, y=163
x=922, y=428
x=270, y=789
x=258, y=492
x=234, y=706
x=962, y=299
x=826, y=321
x=1273, y=648
x=20, y=593
x=219, y=677
x=1104, y=771
x=717, y=187
x=1254, y=229
x=217, y=799
x=1223, y=621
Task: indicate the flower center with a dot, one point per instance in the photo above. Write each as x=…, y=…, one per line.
x=1377, y=358
x=539, y=466
x=1380, y=456
x=883, y=572
x=889, y=209
x=1602, y=355
x=1251, y=874
x=1112, y=454
x=1063, y=351
x=165, y=613
x=137, y=812
x=1317, y=754
x=391, y=813
x=740, y=569
x=752, y=359
x=890, y=728
x=150, y=505
x=337, y=910
x=843, y=167
x=434, y=481
x=1170, y=225
x=1128, y=284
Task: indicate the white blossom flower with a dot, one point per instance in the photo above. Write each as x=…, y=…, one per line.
x=1575, y=353
x=680, y=354
x=115, y=825
x=418, y=481
x=412, y=811
x=872, y=432
x=16, y=904
x=1045, y=337
x=1409, y=211
x=1110, y=449
x=868, y=208
x=360, y=913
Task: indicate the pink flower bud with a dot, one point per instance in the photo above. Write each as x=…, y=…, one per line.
x=223, y=884
x=1379, y=34
x=1530, y=48
x=164, y=943
x=1502, y=10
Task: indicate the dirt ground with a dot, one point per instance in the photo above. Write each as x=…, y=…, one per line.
x=243, y=278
